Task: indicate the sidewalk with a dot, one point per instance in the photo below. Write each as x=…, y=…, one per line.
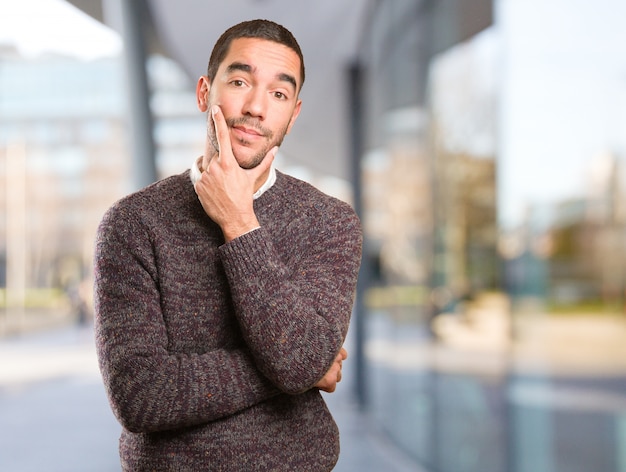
x=55, y=416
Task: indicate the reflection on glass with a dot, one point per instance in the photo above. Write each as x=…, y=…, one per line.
x=498, y=324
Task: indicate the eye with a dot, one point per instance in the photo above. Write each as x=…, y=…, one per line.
x=237, y=83
x=280, y=95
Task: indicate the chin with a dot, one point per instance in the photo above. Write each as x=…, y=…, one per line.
x=250, y=165
x=250, y=162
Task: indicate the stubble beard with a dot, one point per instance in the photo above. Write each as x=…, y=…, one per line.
x=256, y=159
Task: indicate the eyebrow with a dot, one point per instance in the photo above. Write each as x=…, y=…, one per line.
x=283, y=77
x=288, y=78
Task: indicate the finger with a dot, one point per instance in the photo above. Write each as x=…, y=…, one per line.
x=265, y=164
x=343, y=353
x=225, y=152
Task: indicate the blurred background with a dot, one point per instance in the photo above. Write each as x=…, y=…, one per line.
x=483, y=144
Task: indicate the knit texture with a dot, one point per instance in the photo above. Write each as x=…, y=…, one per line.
x=209, y=351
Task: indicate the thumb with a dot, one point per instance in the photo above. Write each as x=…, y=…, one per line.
x=266, y=163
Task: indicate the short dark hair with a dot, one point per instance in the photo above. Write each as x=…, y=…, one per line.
x=261, y=29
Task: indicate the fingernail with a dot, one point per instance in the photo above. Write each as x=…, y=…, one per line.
x=214, y=109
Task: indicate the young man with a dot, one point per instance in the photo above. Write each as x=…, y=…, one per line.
x=223, y=295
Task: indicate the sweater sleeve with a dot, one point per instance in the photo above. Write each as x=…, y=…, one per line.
x=149, y=387
x=295, y=315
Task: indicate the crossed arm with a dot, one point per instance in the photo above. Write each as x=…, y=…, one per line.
x=225, y=191
x=292, y=334
x=288, y=347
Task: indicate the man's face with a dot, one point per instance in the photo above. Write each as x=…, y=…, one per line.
x=256, y=86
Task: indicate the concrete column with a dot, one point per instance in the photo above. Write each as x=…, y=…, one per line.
x=126, y=17
x=356, y=113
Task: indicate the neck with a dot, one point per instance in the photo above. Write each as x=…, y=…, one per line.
x=203, y=162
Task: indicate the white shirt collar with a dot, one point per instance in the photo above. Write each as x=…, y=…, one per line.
x=271, y=178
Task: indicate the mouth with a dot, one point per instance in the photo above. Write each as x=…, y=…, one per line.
x=247, y=133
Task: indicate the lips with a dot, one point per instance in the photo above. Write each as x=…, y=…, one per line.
x=248, y=132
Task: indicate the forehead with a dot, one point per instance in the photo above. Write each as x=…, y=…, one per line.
x=263, y=56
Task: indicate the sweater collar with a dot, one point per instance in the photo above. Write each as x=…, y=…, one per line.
x=271, y=178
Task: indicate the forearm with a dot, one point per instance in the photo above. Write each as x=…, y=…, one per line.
x=294, y=319
x=161, y=391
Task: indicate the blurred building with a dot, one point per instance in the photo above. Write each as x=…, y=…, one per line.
x=64, y=157
x=498, y=294
x=488, y=168
x=64, y=160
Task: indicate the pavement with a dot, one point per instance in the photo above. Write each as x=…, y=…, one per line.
x=55, y=417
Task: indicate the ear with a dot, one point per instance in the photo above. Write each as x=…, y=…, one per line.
x=202, y=93
x=294, y=115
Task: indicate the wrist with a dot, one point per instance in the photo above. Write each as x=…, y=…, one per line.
x=235, y=231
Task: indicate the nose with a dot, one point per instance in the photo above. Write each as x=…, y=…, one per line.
x=255, y=104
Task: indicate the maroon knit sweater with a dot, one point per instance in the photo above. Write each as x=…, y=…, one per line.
x=209, y=351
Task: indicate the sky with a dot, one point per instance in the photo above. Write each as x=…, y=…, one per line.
x=563, y=98
x=37, y=27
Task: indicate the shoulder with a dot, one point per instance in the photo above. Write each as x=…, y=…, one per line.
x=305, y=197
x=153, y=201
x=300, y=204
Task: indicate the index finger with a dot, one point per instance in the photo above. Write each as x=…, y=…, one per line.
x=221, y=134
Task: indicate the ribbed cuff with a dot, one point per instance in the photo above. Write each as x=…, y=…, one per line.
x=246, y=254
